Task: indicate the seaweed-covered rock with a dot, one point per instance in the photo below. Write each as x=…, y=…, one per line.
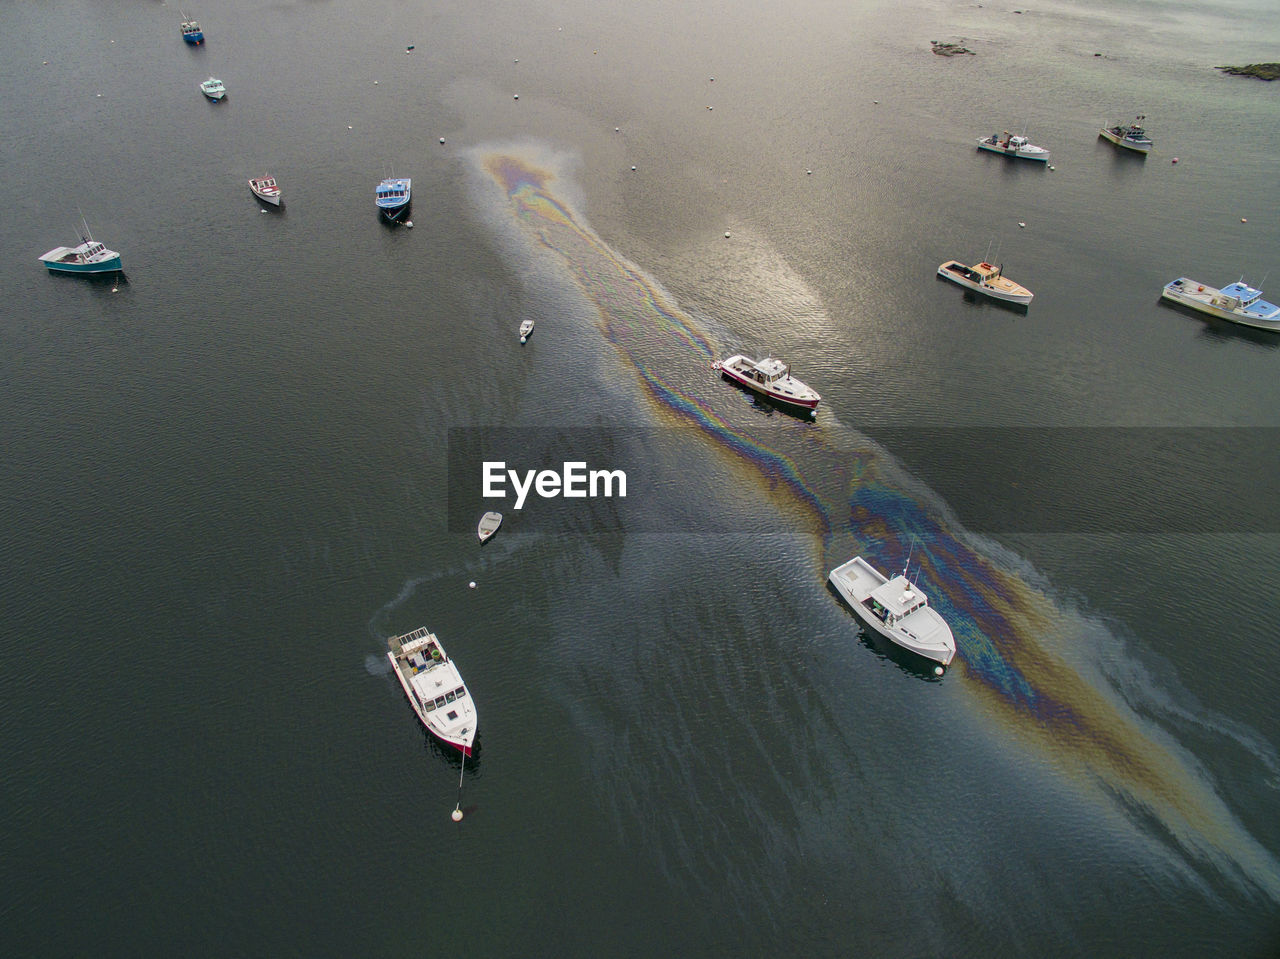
x=1263, y=71
x=950, y=49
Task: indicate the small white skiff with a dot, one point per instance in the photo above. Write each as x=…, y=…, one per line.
x=489, y=524
x=434, y=687
x=895, y=609
x=525, y=329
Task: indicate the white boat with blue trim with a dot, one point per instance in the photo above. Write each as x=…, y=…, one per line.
x=895, y=609
x=1009, y=145
x=213, y=88
x=393, y=196
x=1237, y=302
x=434, y=687
x=89, y=257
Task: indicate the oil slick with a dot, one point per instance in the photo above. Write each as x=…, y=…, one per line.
x=853, y=496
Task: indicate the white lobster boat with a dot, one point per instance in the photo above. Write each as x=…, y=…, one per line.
x=1237, y=302
x=895, y=609
x=1131, y=136
x=1013, y=146
x=213, y=88
x=266, y=189
x=986, y=278
x=770, y=378
x=434, y=687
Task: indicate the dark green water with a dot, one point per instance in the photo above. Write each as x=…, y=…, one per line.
x=224, y=483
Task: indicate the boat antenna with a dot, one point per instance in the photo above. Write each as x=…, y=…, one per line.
x=987, y=258
x=909, y=554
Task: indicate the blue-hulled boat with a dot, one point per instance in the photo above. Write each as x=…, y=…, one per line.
x=191, y=31
x=393, y=196
x=89, y=257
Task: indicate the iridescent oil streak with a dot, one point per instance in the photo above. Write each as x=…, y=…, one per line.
x=996, y=616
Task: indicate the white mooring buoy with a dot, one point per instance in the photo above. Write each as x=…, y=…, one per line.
x=457, y=815
x=938, y=670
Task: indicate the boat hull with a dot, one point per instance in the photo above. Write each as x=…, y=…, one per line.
x=1199, y=297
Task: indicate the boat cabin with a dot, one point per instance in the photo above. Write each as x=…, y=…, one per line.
x=894, y=600
x=768, y=370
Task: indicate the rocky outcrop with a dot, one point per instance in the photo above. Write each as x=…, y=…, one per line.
x=1263, y=71
x=950, y=49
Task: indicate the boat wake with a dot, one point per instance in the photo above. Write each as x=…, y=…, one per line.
x=1019, y=647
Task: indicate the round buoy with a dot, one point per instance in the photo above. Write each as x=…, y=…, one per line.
x=808, y=173
x=1052, y=167
x=938, y=670
x=633, y=169
x=615, y=129
x=409, y=224
x=457, y=815
x=1175, y=159
x=442, y=139
x=348, y=128
x=375, y=83
x=1243, y=220
x=726, y=234
x=471, y=585
x=516, y=97
x=1021, y=224
x=813, y=414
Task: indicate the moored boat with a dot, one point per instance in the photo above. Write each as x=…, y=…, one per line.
x=434, y=688
x=488, y=525
x=1013, y=146
x=987, y=279
x=266, y=189
x=770, y=378
x=1237, y=302
x=88, y=257
x=393, y=196
x=526, y=328
x=895, y=609
x=1131, y=136
x=213, y=88
x=191, y=31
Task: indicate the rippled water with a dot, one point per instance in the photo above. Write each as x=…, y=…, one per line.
x=227, y=483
